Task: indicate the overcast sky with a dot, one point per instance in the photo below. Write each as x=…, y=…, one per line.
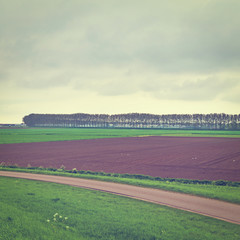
x=114, y=56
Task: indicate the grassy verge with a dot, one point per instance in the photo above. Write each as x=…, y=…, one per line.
x=63, y=134
x=221, y=190
x=32, y=210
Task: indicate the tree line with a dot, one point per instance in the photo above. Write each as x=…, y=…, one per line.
x=136, y=120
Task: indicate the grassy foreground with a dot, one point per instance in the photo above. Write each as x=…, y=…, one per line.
x=221, y=190
x=64, y=134
x=39, y=210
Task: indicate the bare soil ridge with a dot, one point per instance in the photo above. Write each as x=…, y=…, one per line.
x=213, y=208
x=174, y=157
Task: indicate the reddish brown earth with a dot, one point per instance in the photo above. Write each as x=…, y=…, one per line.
x=175, y=157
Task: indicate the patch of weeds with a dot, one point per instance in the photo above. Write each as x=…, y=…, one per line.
x=59, y=220
x=10, y=219
x=55, y=199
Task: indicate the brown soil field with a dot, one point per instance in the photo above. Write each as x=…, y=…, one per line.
x=173, y=157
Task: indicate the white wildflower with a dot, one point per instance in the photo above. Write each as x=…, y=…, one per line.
x=66, y=218
x=60, y=216
x=48, y=220
x=67, y=227
x=54, y=219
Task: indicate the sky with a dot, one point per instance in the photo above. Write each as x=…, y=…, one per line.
x=111, y=56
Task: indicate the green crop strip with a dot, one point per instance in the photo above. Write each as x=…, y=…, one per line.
x=66, y=134
x=38, y=210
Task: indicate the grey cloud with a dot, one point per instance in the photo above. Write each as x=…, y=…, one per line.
x=162, y=36
x=203, y=90
x=159, y=86
x=191, y=90
x=233, y=97
x=91, y=45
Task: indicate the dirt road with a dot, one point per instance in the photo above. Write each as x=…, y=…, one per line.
x=213, y=208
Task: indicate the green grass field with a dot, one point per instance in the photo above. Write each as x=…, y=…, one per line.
x=211, y=190
x=63, y=134
x=28, y=209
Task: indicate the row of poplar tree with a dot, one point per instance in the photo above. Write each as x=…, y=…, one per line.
x=136, y=120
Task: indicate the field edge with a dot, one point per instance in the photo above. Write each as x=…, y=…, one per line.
x=202, y=188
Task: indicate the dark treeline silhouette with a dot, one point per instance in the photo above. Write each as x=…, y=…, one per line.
x=135, y=120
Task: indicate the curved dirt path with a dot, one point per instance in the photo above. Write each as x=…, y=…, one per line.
x=213, y=208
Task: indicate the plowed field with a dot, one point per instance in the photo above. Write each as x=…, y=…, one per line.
x=175, y=157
